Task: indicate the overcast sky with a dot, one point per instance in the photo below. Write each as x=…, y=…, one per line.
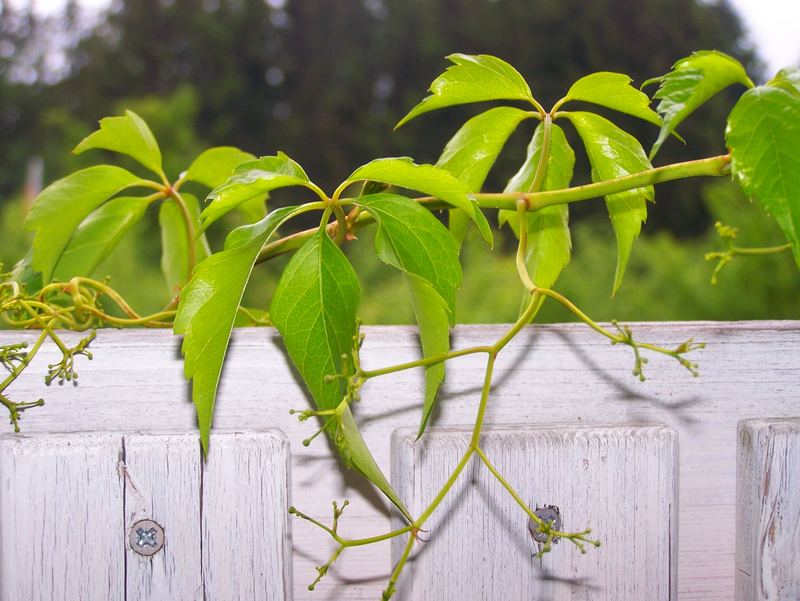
x=774, y=25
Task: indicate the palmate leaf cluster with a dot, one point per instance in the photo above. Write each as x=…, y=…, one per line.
x=77, y=223
x=78, y=220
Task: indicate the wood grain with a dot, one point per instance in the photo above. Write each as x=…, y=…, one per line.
x=68, y=502
x=768, y=511
x=162, y=483
x=548, y=374
x=62, y=532
x=245, y=519
x=619, y=481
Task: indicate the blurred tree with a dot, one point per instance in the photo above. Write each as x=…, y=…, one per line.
x=152, y=47
x=16, y=26
x=327, y=80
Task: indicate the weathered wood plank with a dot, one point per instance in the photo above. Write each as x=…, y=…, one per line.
x=162, y=483
x=768, y=510
x=68, y=503
x=549, y=374
x=620, y=481
x=245, y=501
x=61, y=523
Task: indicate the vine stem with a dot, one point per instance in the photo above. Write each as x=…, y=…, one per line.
x=713, y=166
x=189, y=224
x=341, y=224
x=625, y=336
x=493, y=470
x=760, y=250
x=544, y=155
x=522, y=247
x=156, y=320
x=490, y=349
x=432, y=360
x=579, y=539
x=575, y=310
x=709, y=167
x=353, y=542
x=45, y=326
x=390, y=587
x=61, y=315
x=24, y=362
x=97, y=285
x=522, y=204
x=476, y=431
x=474, y=443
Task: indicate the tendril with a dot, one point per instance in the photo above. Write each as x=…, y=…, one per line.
x=77, y=305
x=64, y=370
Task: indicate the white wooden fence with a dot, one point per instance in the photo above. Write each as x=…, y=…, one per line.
x=651, y=467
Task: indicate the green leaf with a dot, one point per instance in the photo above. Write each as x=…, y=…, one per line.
x=787, y=79
x=128, y=135
x=692, y=81
x=614, y=91
x=254, y=209
x=411, y=239
x=431, y=180
x=764, y=137
x=26, y=275
x=458, y=224
x=354, y=450
x=208, y=308
x=252, y=180
x=560, y=163
x=549, y=242
x=614, y=153
x=414, y=241
x=213, y=167
x=175, y=243
x=471, y=152
x=64, y=204
x=314, y=309
x=434, y=318
x=472, y=78
x=98, y=235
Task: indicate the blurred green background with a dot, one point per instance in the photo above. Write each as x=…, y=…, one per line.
x=326, y=80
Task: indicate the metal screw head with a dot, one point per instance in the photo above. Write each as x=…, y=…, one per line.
x=146, y=537
x=548, y=513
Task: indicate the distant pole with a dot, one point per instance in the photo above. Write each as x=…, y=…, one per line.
x=34, y=175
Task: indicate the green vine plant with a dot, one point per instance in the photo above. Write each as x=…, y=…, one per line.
x=79, y=219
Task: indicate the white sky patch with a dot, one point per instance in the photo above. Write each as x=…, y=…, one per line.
x=773, y=25
x=52, y=7
x=774, y=28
